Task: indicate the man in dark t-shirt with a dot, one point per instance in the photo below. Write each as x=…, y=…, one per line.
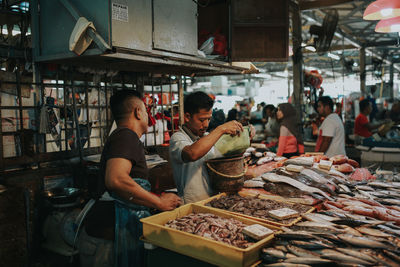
x=122, y=160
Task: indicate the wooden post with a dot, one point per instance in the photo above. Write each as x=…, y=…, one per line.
x=362, y=72
x=297, y=59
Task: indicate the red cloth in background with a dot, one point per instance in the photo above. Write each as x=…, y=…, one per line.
x=360, y=127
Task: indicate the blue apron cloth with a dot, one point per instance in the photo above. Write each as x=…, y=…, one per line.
x=128, y=249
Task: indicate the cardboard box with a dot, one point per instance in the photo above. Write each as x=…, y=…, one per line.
x=198, y=247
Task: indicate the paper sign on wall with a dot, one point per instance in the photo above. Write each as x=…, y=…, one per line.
x=120, y=12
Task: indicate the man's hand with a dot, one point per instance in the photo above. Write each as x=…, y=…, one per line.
x=252, y=131
x=169, y=201
x=231, y=127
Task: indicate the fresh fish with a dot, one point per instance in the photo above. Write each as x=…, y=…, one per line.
x=318, y=217
x=362, y=241
x=330, y=238
x=371, y=231
x=392, y=255
x=308, y=260
x=391, y=241
x=302, y=161
x=381, y=184
x=316, y=177
x=295, y=235
x=389, y=193
x=275, y=178
x=389, y=201
x=389, y=229
x=349, y=222
x=333, y=213
x=279, y=254
x=385, y=260
x=313, y=244
x=290, y=255
x=344, y=188
x=390, y=224
x=285, y=264
x=357, y=253
x=318, y=227
x=281, y=248
x=341, y=257
x=337, y=173
x=350, y=231
x=365, y=194
x=365, y=188
x=300, y=252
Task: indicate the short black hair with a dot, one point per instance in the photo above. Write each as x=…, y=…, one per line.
x=326, y=101
x=364, y=104
x=120, y=103
x=196, y=101
x=270, y=107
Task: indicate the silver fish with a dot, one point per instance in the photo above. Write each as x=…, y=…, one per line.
x=338, y=256
x=308, y=260
x=281, y=248
x=313, y=244
x=318, y=227
x=275, y=178
x=389, y=229
x=350, y=231
x=317, y=217
x=316, y=177
x=371, y=231
x=345, y=188
x=295, y=235
x=357, y=253
x=362, y=241
x=392, y=255
x=274, y=252
x=300, y=252
x=385, y=260
x=389, y=201
x=365, y=188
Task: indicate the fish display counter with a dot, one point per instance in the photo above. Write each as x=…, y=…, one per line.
x=322, y=211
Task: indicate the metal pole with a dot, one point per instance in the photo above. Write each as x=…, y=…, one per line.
x=362, y=72
x=77, y=128
x=391, y=81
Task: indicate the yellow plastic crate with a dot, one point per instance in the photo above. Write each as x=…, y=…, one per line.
x=243, y=194
x=198, y=247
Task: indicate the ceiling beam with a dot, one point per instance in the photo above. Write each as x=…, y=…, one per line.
x=350, y=39
x=321, y=4
x=381, y=43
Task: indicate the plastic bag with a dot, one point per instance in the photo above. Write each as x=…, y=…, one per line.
x=208, y=46
x=231, y=145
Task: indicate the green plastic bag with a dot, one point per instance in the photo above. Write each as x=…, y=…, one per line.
x=231, y=145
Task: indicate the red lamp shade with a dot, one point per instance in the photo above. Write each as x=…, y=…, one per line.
x=382, y=9
x=388, y=25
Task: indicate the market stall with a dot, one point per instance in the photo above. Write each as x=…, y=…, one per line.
x=309, y=210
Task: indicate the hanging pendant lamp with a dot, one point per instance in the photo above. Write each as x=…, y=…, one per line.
x=388, y=25
x=382, y=9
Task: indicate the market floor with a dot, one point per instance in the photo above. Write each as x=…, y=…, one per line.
x=50, y=259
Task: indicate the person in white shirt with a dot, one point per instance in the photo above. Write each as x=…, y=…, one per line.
x=192, y=146
x=331, y=138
